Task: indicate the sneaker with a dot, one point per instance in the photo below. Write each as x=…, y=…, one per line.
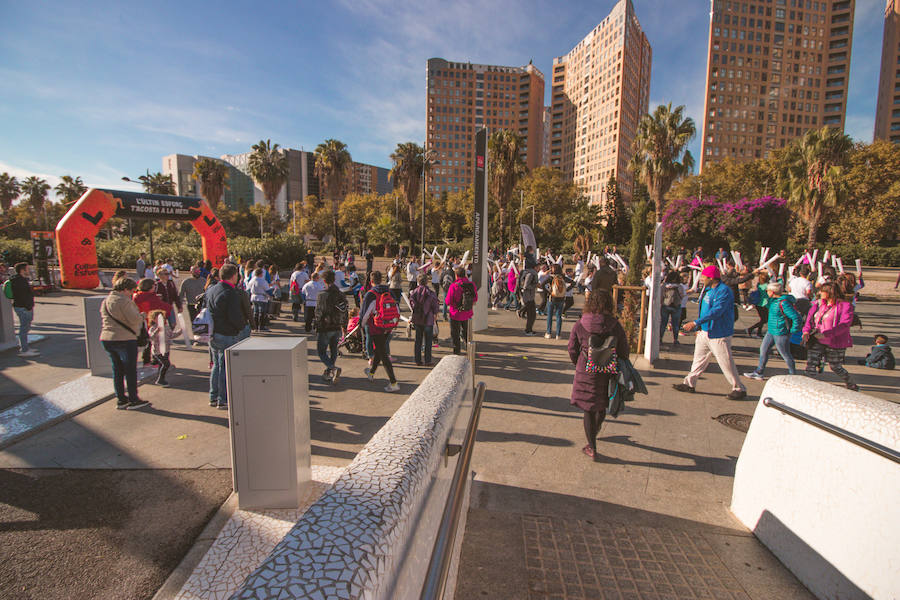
x=137, y=404
x=748, y=332
x=222, y=406
x=369, y=375
x=30, y=352
x=392, y=387
x=326, y=376
x=853, y=387
x=555, y=337
x=335, y=375
x=121, y=405
x=737, y=395
x=753, y=375
x=162, y=383
x=683, y=387
x=546, y=336
x=213, y=402
x=530, y=333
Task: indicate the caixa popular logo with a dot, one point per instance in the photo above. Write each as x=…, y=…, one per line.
x=85, y=269
x=479, y=162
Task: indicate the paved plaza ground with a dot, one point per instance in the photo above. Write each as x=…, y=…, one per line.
x=106, y=503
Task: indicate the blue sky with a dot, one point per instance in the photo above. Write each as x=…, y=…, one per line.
x=102, y=90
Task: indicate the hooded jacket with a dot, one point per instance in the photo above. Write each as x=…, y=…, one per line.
x=881, y=357
x=590, y=390
x=426, y=298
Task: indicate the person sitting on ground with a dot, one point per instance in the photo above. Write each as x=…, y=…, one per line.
x=881, y=355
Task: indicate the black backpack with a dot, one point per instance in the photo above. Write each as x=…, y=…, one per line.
x=447, y=280
x=672, y=296
x=467, y=297
x=334, y=313
x=600, y=354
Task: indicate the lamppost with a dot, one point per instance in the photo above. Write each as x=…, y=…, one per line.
x=427, y=162
x=532, y=215
x=144, y=181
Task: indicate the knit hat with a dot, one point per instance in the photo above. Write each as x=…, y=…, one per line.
x=712, y=272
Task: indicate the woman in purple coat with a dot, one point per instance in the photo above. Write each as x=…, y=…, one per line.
x=590, y=391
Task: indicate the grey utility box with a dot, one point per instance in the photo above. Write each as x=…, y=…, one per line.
x=268, y=400
x=97, y=359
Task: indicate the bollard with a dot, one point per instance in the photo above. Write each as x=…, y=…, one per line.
x=97, y=359
x=268, y=411
x=7, y=326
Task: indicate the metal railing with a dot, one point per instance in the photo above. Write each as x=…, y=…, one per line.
x=442, y=554
x=832, y=429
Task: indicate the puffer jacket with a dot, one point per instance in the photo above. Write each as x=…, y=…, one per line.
x=590, y=390
x=780, y=310
x=830, y=324
x=717, y=312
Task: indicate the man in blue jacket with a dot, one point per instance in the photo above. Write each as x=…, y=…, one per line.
x=716, y=324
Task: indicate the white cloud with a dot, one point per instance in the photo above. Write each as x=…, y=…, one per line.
x=106, y=177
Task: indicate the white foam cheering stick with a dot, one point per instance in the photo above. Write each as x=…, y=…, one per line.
x=621, y=261
x=815, y=254
x=840, y=265
x=465, y=258
x=833, y=261
x=678, y=260
x=559, y=260
x=809, y=259
x=446, y=252
x=820, y=268
x=825, y=256
x=762, y=256
x=859, y=266
x=781, y=270
x=596, y=262
x=537, y=254
x=768, y=262
x=671, y=264
x=799, y=260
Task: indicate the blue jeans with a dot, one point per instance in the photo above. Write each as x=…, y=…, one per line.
x=424, y=339
x=510, y=299
x=672, y=313
x=25, y=318
x=783, y=344
x=328, y=340
x=123, y=356
x=217, y=381
x=555, y=307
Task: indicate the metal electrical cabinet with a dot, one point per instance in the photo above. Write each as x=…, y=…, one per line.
x=268, y=411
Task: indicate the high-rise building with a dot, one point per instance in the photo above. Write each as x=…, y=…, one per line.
x=545, y=153
x=775, y=69
x=368, y=179
x=887, y=115
x=181, y=167
x=601, y=89
x=462, y=98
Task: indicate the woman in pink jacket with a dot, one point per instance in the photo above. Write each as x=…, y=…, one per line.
x=827, y=333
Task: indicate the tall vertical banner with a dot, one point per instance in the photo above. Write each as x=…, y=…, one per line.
x=480, y=233
x=651, y=343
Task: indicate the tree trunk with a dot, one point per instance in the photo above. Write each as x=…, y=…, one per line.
x=659, y=200
x=813, y=231
x=503, y=228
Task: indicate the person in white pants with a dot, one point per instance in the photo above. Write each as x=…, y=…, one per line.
x=716, y=328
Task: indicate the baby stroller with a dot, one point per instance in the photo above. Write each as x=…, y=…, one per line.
x=352, y=341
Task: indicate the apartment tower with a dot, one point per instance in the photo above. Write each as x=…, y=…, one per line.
x=601, y=89
x=887, y=115
x=463, y=98
x=775, y=70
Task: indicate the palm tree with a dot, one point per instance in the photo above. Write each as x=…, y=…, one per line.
x=410, y=162
x=662, y=140
x=505, y=169
x=70, y=189
x=9, y=191
x=810, y=175
x=156, y=183
x=212, y=175
x=35, y=191
x=269, y=169
x=332, y=165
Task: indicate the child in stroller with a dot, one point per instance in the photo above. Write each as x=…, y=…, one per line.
x=352, y=339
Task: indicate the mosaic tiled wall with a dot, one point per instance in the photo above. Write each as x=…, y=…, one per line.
x=823, y=505
x=355, y=541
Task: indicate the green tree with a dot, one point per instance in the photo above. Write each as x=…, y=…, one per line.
x=35, y=191
x=333, y=164
x=554, y=198
x=157, y=183
x=505, y=169
x=871, y=212
x=640, y=235
x=660, y=151
x=386, y=232
x=69, y=189
x=359, y=212
x=410, y=162
x=9, y=191
x=583, y=219
x=268, y=167
x=617, y=225
x=810, y=175
x=728, y=180
x=212, y=175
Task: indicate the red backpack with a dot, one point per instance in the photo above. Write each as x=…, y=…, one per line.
x=387, y=313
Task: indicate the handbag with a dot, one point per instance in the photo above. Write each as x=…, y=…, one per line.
x=143, y=337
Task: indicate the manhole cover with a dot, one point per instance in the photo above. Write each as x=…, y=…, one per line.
x=735, y=421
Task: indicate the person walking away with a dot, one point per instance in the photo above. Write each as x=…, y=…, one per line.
x=425, y=306
x=762, y=305
x=716, y=328
x=311, y=292
x=528, y=281
x=827, y=333
x=224, y=304
x=801, y=288
x=381, y=314
x=370, y=260
x=880, y=356
x=412, y=274
x=394, y=281
x=512, y=281
x=447, y=279
x=569, y=300
x=331, y=320
x=436, y=277
x=121, y=322
x=783, y=320
x=556, y=290
x=461, y=299
x=671, y=305
x=165, y=289
x=259, y=288
x=141, y=266
x=18, y=290
x=596, y=330
x=298, y=279
x=161, y=336
x=191, y=289
x=604, y=277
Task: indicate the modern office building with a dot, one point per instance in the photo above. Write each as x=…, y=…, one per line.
x=775, y=69
x=181, y=167
x=601, y=89
x=368, y=179
x=887, y=115
x=463, y=98
x=545, y=153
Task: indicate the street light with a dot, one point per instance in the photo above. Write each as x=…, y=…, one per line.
x=144, y=181
x=532, y=215
x=427, y=163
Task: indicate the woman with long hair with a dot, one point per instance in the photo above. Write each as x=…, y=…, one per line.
x=827, y=333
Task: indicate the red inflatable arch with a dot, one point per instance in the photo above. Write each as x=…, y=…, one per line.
x=76, y=232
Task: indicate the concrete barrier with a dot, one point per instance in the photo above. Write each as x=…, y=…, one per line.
x=826, y=507
x=371, y=535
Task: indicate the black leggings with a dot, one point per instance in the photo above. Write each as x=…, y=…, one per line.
x=530, y=316
x=763, y=314
x=379, y=341
x=164, y=365
x=569, y=302
x=592, y=422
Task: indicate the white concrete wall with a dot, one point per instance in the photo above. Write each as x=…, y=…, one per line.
x=827, y=508
x=371, y=535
